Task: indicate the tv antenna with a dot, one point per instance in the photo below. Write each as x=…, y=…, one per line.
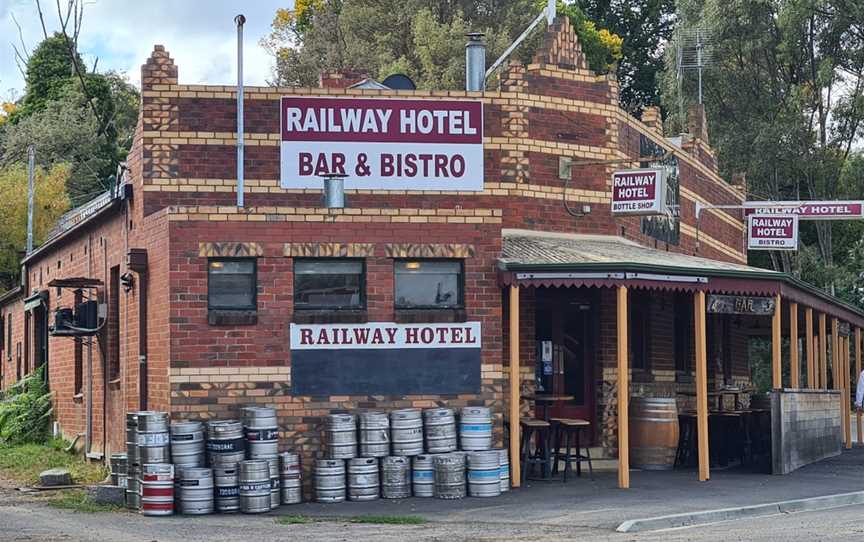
x=693, y=52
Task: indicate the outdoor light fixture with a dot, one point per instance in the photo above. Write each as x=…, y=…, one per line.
x=412, y=265
x=334, y=190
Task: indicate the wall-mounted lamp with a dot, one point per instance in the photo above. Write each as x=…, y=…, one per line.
x=128, y=281
x=334, y=190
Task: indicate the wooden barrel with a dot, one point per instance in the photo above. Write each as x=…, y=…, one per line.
x=653, y=433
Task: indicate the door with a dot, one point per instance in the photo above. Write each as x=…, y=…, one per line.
x=564, y=319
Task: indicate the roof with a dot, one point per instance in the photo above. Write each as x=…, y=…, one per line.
x=11, y=295
x=534, y=258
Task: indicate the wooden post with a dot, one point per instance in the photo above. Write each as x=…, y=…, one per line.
x=701, y=385
x=776, y=368
x=794, y=365
x=857, y=376
x=515, y=416
x=623, y=393
x=808, y=337
x=846, y=387
x=835, y=349
x=823, y=353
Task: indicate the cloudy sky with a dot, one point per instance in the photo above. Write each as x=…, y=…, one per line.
x=199, y=34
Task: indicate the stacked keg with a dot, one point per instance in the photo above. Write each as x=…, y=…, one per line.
x=396, y=477
x=291, y=478
x=363, y=479
x=330, y=480
x=133, y=464
x=440, y=430
x=227, y=488
x=475, y=428
x=275, y=487
x=423, y=475
x=187, y=444
x=254, y=486
x=504, y=468
x=261, y=432
x=225, y=443
x=196, y=490
x=449, y=475
x=374, y=434
x=153, y=440
x=406, y=432
x=157, y=489
x=484, y=473
x=340, y=432
x=119, y=470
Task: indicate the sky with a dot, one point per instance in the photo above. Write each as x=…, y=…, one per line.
x=200, y=35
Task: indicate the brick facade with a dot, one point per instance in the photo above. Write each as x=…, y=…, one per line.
x=182, y=170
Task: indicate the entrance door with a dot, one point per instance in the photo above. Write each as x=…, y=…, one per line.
x=564, y=318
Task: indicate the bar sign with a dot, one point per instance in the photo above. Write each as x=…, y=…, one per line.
x=772, y=232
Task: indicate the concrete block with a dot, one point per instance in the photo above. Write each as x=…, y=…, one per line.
x=55, y=477
x=101, y=494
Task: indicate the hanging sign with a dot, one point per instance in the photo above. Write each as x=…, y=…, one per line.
x=382, y=144
x=639, y=192
x=808, y=210
x=740, y=304
x=772, y=232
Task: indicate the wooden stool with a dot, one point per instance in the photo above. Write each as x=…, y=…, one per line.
x=568, y=432
x=538, y=431
x=686, y=440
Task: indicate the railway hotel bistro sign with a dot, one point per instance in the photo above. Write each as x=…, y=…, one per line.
x=382, y=144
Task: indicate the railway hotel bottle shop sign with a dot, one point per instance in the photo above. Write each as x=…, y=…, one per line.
x=382, y=144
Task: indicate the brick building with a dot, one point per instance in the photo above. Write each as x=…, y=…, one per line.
x=200, y=295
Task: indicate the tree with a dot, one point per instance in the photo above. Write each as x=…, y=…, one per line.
x=785, y=99
x=429, y=47
x=49, y=203
x=49, y=71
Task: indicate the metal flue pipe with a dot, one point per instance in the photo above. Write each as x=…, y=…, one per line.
x=475, y=62
x=240, y=20
x=31, y=172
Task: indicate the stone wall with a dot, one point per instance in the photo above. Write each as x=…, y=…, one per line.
x=805, y=427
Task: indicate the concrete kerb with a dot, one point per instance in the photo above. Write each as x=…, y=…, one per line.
x=744, y=512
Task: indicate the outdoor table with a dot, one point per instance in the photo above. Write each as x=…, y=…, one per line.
x=719, y=394
x=546, y=400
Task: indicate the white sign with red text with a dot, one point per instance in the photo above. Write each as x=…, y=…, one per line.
x=384, y=335
x=808, y=210
x=639, y=192
x=382, y=144
x=772, y=232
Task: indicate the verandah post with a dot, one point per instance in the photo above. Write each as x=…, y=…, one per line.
x=857, y=376
x=623, y=392
x=847, y=414
x=701, y=385
x=823, y=353
x=776, y=368
x=795, y=366
x=811, y=367
x=515, y=466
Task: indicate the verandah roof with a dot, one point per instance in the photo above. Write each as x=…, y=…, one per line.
x=544, y=259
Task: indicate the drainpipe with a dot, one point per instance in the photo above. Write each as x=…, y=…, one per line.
x=240, y=20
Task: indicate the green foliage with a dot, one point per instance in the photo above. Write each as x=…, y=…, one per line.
x=24, y=462
x=25, y=411
x=49, y=69
x=424, y=40
x=79, y=501
x=390, y=520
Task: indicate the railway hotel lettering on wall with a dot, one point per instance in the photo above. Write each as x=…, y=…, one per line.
x=739, y=304
x=638, y=192
x=382, y=144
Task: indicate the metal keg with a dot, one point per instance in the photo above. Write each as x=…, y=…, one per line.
x=133, y=465
x=225, y=443
x=330, y=480
x=153, y=440
x=157, y=489
x=475, y=428
x=340, y=432
x=275, y=487
x=363, y=479
x=227, y=482
x=374, y=434
x=133, y=488
x=119, y=469
x=423, y=475
x=196, y=490
x=504, y=465
x=406, y=431
x=261, y=432
x=187, y=444
x=396, y=477
x=132, y=438
x=450, y=475
x=439, y=425
x=254, y=486
x=291, y=478
x=484, y=474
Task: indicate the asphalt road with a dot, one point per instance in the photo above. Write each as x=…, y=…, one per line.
x=27, y=519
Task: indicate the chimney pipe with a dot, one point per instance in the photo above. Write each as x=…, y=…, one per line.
x=240, y=20
x=475, y=62
x=334, y=190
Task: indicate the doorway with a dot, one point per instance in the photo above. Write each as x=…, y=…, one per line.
x=565, y=330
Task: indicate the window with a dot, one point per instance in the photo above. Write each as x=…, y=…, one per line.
x=429, y=284
x=329, y=284
x=9, y=338
x=2, y=334
x=640, y=316
x=79, y=352
x=114, y=324
x=684, y=333
x=231, y=284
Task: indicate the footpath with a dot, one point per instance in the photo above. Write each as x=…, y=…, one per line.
x=582, y=502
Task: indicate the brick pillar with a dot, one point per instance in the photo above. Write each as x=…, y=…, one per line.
x=652, y=119
x=561, y=46
x=515, y=166
x=342, y=78
x=159, y=114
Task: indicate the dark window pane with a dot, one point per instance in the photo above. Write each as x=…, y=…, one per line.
x=232, y=284
x=428, y=284
x=328, y=284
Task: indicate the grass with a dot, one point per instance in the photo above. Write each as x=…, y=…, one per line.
x=23, y=463
x=377, y=520
x=79, y=501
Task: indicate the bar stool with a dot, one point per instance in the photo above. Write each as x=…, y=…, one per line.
x=568, y=433
x=538, y=431
x=686, y=440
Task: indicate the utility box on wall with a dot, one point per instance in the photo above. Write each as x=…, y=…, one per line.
x=805, y=428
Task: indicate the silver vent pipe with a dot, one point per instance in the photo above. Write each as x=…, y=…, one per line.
x=240, y=20
x=475, y=62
